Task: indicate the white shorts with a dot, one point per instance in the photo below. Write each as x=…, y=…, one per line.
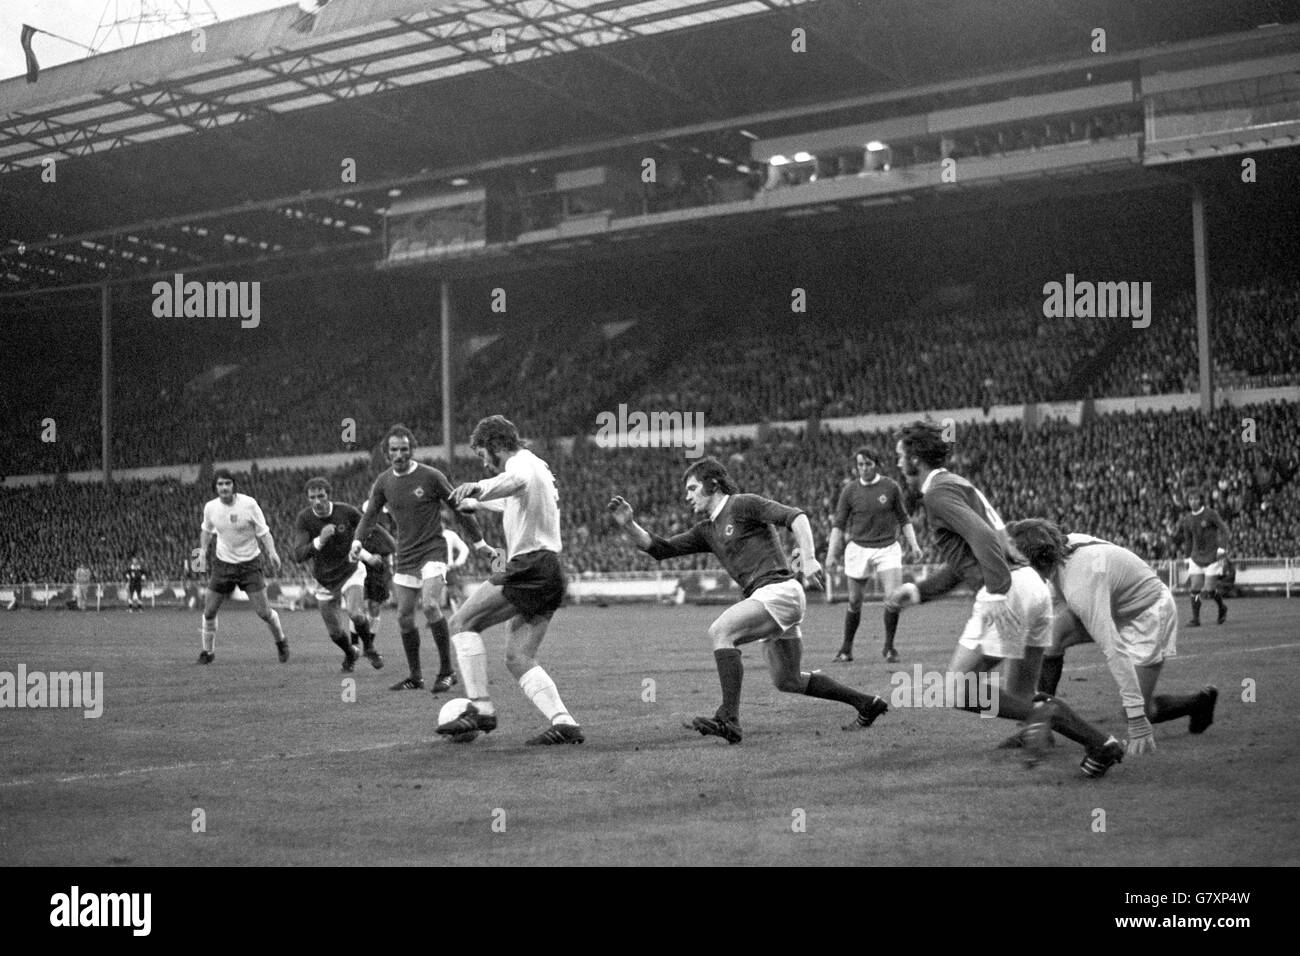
x=357, y=580
x=1152, y=636
x=786, y=602
x=1210, y=570
x=1030, y=603
x=431, y=569
x=860, y=563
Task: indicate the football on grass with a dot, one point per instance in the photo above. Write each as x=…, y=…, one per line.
x=450, y=711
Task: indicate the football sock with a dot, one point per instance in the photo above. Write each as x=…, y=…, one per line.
x=1050, y=675
x=540, y=689
x=819, y=685
x=1066, y=722
x=273, y=622
x=891, y=626
x=731, y=672
x=208, y=633
x=472, y=656
x=411, y=644
x=363, y=631
x=442, y=637
x=1196, y=606
x=1217, y=598
x=344, y=641
x=851, y=621
x=1172, y=707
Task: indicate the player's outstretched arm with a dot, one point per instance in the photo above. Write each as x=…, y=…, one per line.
x=801, y=528
x=621, y=512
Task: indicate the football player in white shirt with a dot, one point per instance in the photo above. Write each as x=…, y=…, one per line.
x=237, y=523
x=525, y=591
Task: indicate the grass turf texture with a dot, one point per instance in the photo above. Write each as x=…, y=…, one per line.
x=286, y=772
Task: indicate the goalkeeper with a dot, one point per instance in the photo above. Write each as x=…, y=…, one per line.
x=1122, y=606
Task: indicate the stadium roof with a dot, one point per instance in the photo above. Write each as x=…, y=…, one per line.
x=171, y=159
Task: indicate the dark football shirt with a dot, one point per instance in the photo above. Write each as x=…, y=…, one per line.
x=1199, y=534
x=967, y=534
x=415, y=502
x=870, y=515
x=135, y=577
x=330, y=564
x=743, y=537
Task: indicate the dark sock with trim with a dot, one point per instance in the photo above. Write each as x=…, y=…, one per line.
x=851, y=621
x=442, y=637
x=1218, y=598
x=344, y=642
x=1196, y=606
x=1050, y=675
x=731, y=672
x=411, y=644
x=363, y=631
x=819, y=685
x=891, y=626
x=1172, y=707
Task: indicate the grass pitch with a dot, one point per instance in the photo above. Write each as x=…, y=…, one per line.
x=284, y=771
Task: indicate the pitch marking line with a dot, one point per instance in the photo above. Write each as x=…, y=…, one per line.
x=1192, y=657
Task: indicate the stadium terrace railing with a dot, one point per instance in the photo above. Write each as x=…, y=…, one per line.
x=1254, y=576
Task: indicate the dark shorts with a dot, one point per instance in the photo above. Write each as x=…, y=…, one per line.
x=246, y=575
x=377, y=584
x=534, y=583
x=134, y=589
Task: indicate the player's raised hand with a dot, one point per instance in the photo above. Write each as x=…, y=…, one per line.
x=467, y=490
x=327, y=532
x=620, y=511
x=1141, y=738
x=354, y=552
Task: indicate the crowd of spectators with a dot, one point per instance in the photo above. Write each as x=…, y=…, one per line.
x=1122, y=477
x=288, y=388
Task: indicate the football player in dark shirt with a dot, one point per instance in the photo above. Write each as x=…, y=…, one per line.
x=870, y=514
x=1203, y=536
x=136, y=575
x=323, y=536
x=1012, y=616
x=414, y=494
x=741, y=530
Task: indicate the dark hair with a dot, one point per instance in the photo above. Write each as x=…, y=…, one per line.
x=400, y=431
x=870, y=454
x=712, y=475
x=223, y=474
x=1041, y=542
x=495, y=433
x=317, y=482
x=924, y=441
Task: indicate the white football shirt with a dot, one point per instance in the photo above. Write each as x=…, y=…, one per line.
x=531, y=515
x=236, y=526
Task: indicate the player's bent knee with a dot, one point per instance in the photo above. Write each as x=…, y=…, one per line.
x=721, y=637
x=789, y=683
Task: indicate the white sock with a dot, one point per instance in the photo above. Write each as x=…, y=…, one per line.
x=539, y=687
x=472, y=657
x=208, y=633
x=274, y=624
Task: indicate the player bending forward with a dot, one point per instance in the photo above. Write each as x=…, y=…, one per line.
x=241, y=532
x=1121, y=604
x=1012, y=616
x=525, y=594
x=324, y=535
x=741, y=531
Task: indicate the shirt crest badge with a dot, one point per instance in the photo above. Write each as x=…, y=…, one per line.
x=419, y=492
x=729, y=530
x=882, y=499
